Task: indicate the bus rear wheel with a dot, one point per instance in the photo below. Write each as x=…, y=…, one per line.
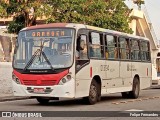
x=94, y=93
x=42, y=100
x=135, y=89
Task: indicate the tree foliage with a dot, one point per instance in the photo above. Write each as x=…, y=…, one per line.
x=111, y=14
x=17, y=24
x=28, y=9
x=3, y=12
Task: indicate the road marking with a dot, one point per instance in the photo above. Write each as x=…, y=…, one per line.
x=138, y=100
x=151, y=97
x=134, y=110
x=116, y=103
x=130, y=101
x=123, y=101
x=145, y=98
x=157, y=97
x=134, y=100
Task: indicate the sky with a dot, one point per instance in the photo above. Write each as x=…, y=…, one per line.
x=153, y=10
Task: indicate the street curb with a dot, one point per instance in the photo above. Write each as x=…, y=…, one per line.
x=155, y=87
x=12, y=98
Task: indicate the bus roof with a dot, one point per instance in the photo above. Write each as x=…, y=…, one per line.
x=115, y=32
x=75, y=25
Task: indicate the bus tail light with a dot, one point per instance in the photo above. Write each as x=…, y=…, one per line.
x=14, y=78
x=65, y=79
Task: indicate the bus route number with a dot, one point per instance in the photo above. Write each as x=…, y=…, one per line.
x=104, y=67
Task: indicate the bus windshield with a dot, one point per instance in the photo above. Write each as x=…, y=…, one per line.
x=44, y=49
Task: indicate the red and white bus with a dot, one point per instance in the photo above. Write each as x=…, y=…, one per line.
x=66, y=60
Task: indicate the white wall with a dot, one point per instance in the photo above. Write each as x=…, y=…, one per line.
x=6, y=78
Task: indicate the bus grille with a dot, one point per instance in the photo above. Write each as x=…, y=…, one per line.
x=39, y=82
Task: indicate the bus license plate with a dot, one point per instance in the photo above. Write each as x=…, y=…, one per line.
x=39, y=90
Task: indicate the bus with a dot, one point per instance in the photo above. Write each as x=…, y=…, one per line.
x=156, y=70
x=68, y=60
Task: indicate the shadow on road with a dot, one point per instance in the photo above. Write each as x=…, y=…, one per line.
x=75, y=102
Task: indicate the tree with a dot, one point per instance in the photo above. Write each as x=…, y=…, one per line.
x=17, y=24
x=28, y=9
x=111, y=14
x=3, y=12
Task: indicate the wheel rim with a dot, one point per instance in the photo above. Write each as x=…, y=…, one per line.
x=93, y=93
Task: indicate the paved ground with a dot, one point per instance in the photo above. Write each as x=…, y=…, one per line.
x=5, y=79
x=148, y=101
x=6, y=93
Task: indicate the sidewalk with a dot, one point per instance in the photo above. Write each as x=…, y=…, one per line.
x=6, y=93
x=4, y=98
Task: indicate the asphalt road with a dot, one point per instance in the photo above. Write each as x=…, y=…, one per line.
x=148, y=101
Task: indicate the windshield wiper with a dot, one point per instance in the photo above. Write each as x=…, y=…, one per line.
x=45, y=57
x=34, y=56
x=31, y=60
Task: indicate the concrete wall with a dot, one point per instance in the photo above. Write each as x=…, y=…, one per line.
x=6, y=79
x=7, y=45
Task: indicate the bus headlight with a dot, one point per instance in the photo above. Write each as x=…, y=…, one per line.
x=14, y=78
x=65, y=79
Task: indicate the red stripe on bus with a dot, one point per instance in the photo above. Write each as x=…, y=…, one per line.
x=91, y=72
x=51, y=25
x=40, y=79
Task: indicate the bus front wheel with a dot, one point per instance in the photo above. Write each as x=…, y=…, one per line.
x=94, y=93
x=42, y=100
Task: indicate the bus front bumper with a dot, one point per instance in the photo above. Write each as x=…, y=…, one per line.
x=66, y=90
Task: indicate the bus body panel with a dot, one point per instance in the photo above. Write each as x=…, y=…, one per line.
x=113, y=74
x=67, y=90
x=38, y=79
x=116, y=75
x=118, y=89
x=86, y=74
x=26, y=88
x=156, y=70
x=143, y=70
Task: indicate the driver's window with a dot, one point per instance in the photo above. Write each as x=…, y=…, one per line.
x=81, y=52
x=83, y=47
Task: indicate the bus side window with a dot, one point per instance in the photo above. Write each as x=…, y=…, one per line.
x=96, y=45
x=135, y=50
x=81, y=53
x=124, y=48
x=145, y=54
x=111, y=49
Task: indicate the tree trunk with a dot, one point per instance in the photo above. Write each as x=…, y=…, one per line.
x=32, y=21
x=26, y=16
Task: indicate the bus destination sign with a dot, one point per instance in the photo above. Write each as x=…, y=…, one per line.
x=48, y=33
